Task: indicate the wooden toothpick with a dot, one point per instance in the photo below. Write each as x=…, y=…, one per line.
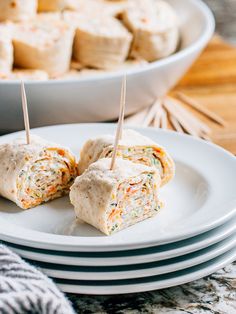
x=137, y=118
x=194, y=104
x=122, y=104
x=120, y=123
x=151, y=113
x=25, y=113
x=175, y=123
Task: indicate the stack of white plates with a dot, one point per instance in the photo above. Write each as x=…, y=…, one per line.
x=193, y=236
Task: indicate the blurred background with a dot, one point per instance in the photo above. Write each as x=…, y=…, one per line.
x=220, y=70
x=225, y=14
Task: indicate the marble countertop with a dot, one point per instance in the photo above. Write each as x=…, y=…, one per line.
x=215, y=294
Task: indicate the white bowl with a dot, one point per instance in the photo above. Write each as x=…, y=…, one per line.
x=97, y=98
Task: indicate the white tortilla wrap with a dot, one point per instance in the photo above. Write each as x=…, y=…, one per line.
x=134, y=147
x=6, y=48
x=56, y=5
x=100, y=42
x=154, y=25
x=111, y=200
x=43, y=44
x=35, y=173
x=25, y=75
x=17, y=10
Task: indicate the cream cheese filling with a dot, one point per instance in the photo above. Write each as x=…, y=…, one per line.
x=132, y=201
x=48, y=177
x=146, y=155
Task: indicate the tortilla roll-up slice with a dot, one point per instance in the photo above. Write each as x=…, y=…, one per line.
x=100, y=42
x=6, y=49
x=56, y=5
x=134, y=147
x=17, y=10
x=43, y=44
x=90, y=8
x=111, y=200
x=155, y=29
x=112, y=8
x=49, y=16
x=35, y=173
x=26, y=75
x=84, y=72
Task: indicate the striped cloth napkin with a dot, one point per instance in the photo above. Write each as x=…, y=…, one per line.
x=24, y=289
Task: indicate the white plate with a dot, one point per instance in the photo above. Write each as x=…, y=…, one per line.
x=140, y=270
x=201, y=197
x=147, y=283
x=130, y=257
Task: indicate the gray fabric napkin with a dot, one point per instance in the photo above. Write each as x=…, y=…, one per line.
x=24, y=289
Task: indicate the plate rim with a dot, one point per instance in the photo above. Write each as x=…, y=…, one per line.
x=228, y=230
x=203, y=255
x=193, y=273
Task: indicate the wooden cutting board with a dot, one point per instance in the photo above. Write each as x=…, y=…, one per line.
x=212, y=82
